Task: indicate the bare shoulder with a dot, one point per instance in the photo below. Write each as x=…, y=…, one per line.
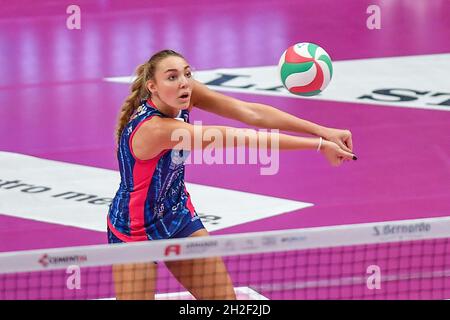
x=144, y=143
x=153, y=129
x=154, y=123
x=154, y=136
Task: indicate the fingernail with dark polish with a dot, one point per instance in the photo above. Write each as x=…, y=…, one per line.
x=355, y=158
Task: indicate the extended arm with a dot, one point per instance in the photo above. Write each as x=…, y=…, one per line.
x=264, y=116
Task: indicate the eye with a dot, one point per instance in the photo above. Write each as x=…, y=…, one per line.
x=172, y=77
x=188, y=74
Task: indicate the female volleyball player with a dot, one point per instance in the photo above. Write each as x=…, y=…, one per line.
x=152, y=202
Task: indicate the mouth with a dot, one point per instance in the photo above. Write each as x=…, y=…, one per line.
x=184, y=96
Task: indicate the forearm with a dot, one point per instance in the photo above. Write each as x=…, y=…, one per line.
x=186, y=136
x=250, y=138
x=272, y=118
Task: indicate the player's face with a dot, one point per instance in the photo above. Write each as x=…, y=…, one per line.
x=173, y=82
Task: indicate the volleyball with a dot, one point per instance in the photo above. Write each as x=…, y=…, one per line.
x=305, y=69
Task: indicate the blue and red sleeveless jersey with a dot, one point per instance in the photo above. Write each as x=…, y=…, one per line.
x=152, y=201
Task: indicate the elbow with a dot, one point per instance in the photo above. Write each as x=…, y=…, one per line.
x=254, y=116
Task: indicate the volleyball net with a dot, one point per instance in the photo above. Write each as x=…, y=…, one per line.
x=407, y=259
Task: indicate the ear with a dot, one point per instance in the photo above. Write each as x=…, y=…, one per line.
x=151, y=86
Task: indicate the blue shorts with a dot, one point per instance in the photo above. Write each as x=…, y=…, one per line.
x=189, y=229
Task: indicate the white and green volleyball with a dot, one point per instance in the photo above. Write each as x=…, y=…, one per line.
x=305, y=69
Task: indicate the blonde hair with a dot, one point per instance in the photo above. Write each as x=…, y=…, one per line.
x=139, y=91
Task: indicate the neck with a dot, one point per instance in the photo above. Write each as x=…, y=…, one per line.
x=164, y=108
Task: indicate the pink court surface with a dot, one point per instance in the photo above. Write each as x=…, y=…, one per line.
x=61, y=89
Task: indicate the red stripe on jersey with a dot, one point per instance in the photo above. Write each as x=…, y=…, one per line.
x=124, y=237
x=189, y=204
x=142, y=177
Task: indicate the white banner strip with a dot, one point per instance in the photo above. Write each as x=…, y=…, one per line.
x=419, y=82
x=79, y=196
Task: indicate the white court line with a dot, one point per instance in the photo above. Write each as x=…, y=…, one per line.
x=242, y=293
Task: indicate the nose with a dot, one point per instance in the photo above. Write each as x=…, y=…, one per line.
x=183, y=82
